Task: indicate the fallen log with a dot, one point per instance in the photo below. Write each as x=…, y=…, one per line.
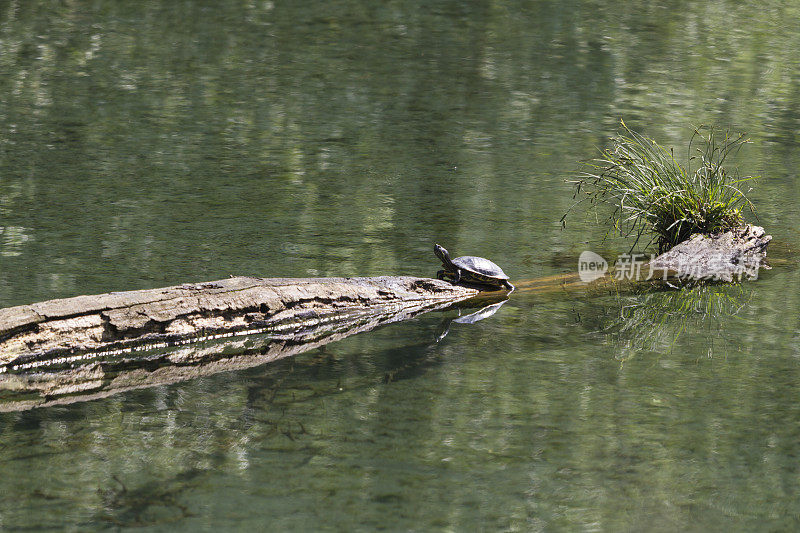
x=46, y=331
x=86, y=347
x=64, y=330
x=101, y=374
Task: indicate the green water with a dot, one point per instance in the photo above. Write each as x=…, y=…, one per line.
x=151, y=143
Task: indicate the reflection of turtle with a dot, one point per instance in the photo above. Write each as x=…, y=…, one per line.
x=480, y=314
x=477, y=316
x=471, y=270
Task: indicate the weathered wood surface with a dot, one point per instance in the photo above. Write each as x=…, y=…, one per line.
x=48, y=331
x=104, y=375
x=736, y=254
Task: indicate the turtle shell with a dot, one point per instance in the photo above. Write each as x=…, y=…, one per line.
x=480, y=266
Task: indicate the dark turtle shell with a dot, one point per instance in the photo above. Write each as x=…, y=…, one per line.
x=471, y=269
x=480, y=266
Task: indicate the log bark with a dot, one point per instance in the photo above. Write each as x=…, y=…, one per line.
x=67, y=380
x=63, y=330
x=736, y=254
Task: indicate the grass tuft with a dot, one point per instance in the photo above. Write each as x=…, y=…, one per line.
x=652, y=194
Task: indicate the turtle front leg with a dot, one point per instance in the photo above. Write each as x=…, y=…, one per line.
x=457, y=276
x=440, y=274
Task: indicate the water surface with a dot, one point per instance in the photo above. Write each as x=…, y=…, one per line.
x=151, y=143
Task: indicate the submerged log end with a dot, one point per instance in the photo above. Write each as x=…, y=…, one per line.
x=723, y=257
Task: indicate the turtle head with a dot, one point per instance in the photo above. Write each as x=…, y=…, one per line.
x=442, y=254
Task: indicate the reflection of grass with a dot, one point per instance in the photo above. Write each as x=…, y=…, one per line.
x=654, y=194
x=650, y=321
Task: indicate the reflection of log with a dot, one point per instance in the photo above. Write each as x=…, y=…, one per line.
x=59, y=331
x=100, y=377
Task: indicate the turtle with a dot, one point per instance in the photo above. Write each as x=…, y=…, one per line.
x=471, y=270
